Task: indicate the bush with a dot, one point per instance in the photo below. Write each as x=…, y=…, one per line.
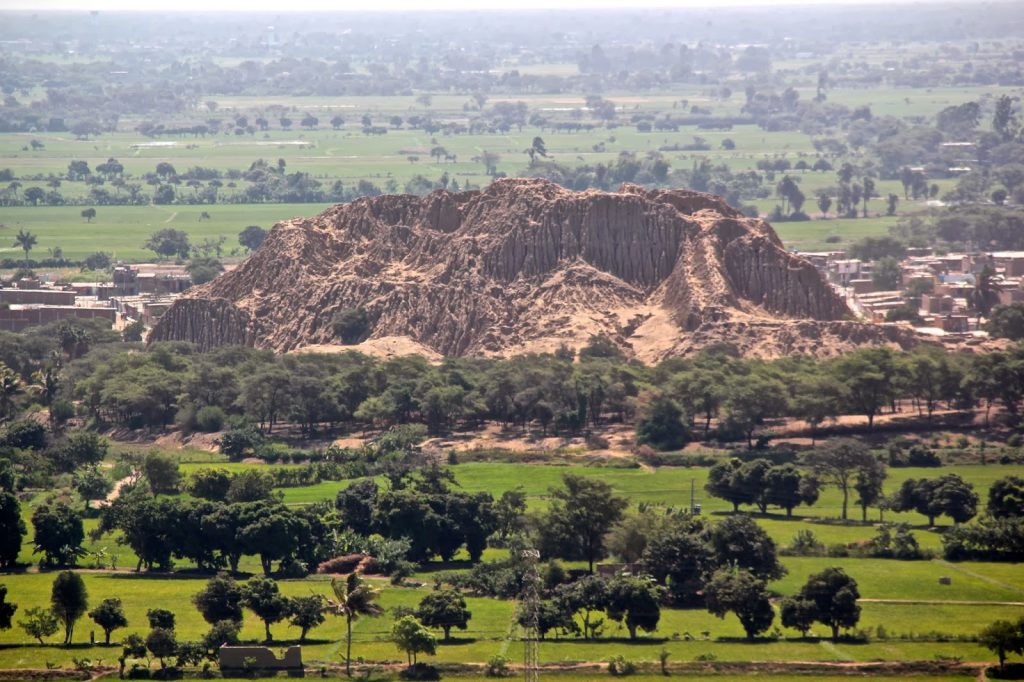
x=618, y=666
x=239, y=442
x=497, y=666
x=420, y=671
x=351, y=325
x=210, y=418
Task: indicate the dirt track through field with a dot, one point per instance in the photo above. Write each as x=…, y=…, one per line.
x=979, y=576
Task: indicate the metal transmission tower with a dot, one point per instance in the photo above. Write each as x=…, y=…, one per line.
x=529, y=603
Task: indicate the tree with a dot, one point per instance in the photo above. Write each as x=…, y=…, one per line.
x=221, y=599
x=635, y=601
x=947, y=495
x=886, y=274
x=252, y=237
x=722, y=483
x=797, y=613
x=58, y=533
x=88, y=214
x=351, y=325
x=25, y=240
x=984, y=295
x=353, y=598
x=262, y=596
x=1001, y=638
x=838, y=462
x=868, y=374
x=306, y=613
x=1005, y=498
x=587, y=596
x=1006, y=322
x=168, y=242
x=411, y=637
x=444, y=609
x=660, y=423
x=39, y=623
x=868, y=484
x=834, y=596
x=787, y=487
x=204, y=269
x=824, y=204
x=109, y=615
x=752, y=399
x=162, y=644
x=679, y=558
x=537, y=148
x=742, y=593
x=7, y=610
x=580, y=516
x=68, y=600
x=160, y=618
x=162, y=473
x=12, y=529
x=91, y=484
x=740, y=541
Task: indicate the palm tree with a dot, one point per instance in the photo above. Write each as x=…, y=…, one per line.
x=26, y=240
x=10, y=386
x=353, y=598
x=986, y=291
x=46, y=386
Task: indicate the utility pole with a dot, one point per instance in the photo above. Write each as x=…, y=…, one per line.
x=529, y=603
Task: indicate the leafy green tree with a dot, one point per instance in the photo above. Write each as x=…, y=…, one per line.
x=661, y=423
x=12, y=530
x=739, y=541
x=678, y=558
x=834, y=595
x=412, y=638
x=169, y=242
x=252, y=237
x=1003, y=637
x=868, y=484
x=262, y=596
x=1006, y=322
x=76, y=450
x=838, y=462
x=39, y=623
x=210, y=484
x=160, y=618
x=222, y=632
x=162, y=644
x=752, y=399
x=161, y=472
x=723, y=483
x=354, y=598
x=947, y=495
x=203, y=269
x=219, y=600
x=985, y=294
x=580, y=515
x=787, y=487
x=1005, y=498
x=444, y=609
x=742, y=593
x=7, y=609
x=588, y=597
x=58, y=533
x=868, y=374
x=68, y=600
x=88, y=214
x=91, y=484
x=634, y=601
x=797, y=613
x=351, y=325
x=306, y=613
x=109, y=615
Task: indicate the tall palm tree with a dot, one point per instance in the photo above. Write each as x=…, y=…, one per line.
x=26, y=240
x=986, y=291
x=353, y=598
x=10, y=386
x=46, y=386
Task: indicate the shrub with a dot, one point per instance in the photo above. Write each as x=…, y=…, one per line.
x=210, y=418
x=497, y=666
x=618, y=666
x=420, y=671
x=351, y=325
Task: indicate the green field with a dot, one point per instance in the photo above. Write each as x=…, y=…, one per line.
x=927, y=627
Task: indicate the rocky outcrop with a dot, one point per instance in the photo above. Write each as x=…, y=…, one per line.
x=522, y=265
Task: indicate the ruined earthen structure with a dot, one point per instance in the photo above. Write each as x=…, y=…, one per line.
x=526, y=265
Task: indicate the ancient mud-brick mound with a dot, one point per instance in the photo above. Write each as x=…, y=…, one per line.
x=525, y=266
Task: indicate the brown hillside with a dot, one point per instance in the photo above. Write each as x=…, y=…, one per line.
x=526, y=265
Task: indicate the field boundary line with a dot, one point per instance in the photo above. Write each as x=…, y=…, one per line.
x=943, y=602
x=979, y=576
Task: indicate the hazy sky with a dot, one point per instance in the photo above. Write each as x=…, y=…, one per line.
x=394, y=5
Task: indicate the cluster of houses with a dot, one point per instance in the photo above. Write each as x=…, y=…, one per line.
x=135, y=292
x=945, y=283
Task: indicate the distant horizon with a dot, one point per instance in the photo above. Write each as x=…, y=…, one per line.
x=329, y=6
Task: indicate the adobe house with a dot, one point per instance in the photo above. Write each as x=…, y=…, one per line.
x=236, y=660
